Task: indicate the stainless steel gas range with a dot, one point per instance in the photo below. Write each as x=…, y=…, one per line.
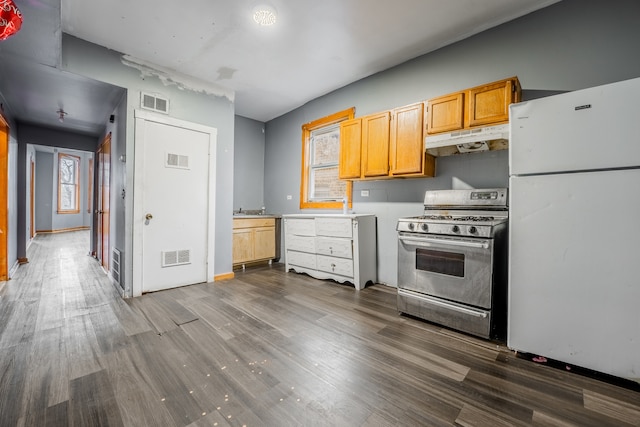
x=452, y=261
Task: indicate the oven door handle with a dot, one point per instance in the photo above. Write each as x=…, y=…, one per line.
x=423, y=241
x=445, y=304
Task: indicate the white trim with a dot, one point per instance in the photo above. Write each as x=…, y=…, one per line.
x=141, y=117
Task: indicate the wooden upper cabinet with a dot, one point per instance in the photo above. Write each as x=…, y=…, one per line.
x=489, y=104
x=350, y=149
x=479, y=106
x=406, y=149
x=445, y=113
x=375, y=145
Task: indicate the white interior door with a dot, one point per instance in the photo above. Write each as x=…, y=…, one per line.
x=175, y=213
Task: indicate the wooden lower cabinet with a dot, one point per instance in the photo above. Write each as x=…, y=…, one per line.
x=254, y=239
x=337, y=247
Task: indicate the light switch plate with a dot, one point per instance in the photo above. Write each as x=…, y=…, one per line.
x=289, y=197
x=364, y=193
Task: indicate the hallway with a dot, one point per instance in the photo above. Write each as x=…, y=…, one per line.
x=267, y=348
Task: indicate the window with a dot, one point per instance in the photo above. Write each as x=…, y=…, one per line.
x=68, y=171
x=320, y=186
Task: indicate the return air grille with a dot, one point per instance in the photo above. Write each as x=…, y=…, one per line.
x=173, y=258
x=115, y=266
x=154, y=103
x=177, y=161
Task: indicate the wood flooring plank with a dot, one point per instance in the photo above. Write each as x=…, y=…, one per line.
x=13, y=371
x=471, y=416
x=46, y=382
x=140, y=405
x=108, y=332
x=82, y=348
x=21, y=322
x=57, y=415
x=612, y=407
x=93, y=402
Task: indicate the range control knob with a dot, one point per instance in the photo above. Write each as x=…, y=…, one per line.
x=424, y=227
x=411, y=226
x=473, y=230
x=455, y=229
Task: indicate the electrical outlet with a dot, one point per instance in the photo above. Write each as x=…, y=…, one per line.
x=289, y=197
x=364, y=193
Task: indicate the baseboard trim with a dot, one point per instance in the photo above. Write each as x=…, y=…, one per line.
x=224, y=276
x=63, y=230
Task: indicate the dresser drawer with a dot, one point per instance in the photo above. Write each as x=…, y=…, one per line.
x=341, y=266
x=335, y=227
x=301, y=259
x=300, y=226
x=334, y=247
x=300, y=243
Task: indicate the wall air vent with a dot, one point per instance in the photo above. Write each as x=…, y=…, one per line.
x=115, y=266
x=173, y=258
x=178, y=161
x=154, y=103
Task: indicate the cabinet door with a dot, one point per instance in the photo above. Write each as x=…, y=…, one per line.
x=445, y=113
x=407, y=144
x=264, y=243
x=350, y=149
x=489, y=104
x=242, y=245
x=375, y=144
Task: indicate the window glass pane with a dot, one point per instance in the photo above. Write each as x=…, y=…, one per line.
x=325, y=184
x=67, y=197
x=67, y=170
x=325, y=147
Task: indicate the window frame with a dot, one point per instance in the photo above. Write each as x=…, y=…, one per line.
x=307, y=130
x=76, y=184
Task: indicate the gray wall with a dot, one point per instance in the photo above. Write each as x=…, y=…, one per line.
x=196, y=105
x=248, y=164
x=118, y=185
x=571, y=45
x=44, y=191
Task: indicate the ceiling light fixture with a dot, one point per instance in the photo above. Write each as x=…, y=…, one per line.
x=61, y=114
x=264, y=15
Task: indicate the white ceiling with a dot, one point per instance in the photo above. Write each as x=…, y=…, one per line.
x=315, y=47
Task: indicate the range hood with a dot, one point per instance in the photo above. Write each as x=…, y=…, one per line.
x=468, y=140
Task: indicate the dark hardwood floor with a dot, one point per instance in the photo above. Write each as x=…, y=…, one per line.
x=267, y=348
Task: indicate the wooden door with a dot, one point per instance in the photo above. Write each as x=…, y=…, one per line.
x=4, y=194
x=445, y=113
x=375, y=144
x=407, y=144
x=32, y=201
x=350, y=149
x=104, y=198
x=489, y=104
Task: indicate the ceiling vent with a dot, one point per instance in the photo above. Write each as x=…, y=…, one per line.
x=154, y=103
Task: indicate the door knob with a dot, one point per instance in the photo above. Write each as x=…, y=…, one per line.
x=148, y=216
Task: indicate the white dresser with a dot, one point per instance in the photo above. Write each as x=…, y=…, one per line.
x=332, y=246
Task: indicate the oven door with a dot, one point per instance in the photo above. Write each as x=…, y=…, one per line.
x=452, y=268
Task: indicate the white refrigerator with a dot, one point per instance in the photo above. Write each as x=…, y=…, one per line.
x=574, y=228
